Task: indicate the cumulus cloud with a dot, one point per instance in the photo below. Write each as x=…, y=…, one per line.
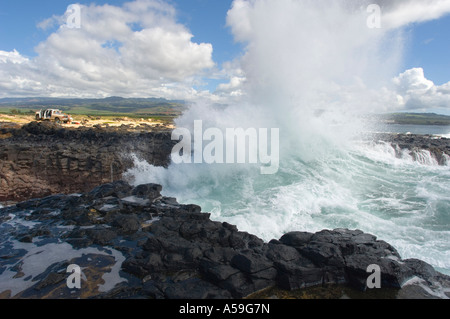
x=137, y=49
x=233, y=89
x=294, y=48
x=398, y=13
x=416, y=92
x=322, y=53
x=13, y=57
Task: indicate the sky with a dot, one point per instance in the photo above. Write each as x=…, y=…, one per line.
x=200, y=49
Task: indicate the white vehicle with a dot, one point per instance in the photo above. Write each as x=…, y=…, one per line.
x=53, y=115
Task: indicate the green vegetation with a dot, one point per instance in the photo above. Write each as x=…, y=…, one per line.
x=159, y=109
x=113, y=107
x=416, y=118
x=6, y=110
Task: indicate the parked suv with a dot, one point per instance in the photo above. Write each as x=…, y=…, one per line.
x=53, y=115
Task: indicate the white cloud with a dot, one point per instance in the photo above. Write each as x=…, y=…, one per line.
x=238, y=19
x=321, y=54
x=416, y=92
x=295, y=49
x=398, y=13
x=138, y=49
x=50, y=22
x=13, y=57
x=159, y=53
x=234, y=87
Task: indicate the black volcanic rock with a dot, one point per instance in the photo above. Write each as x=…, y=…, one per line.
x=161, y=249
x=42, y=158
x=414, y=144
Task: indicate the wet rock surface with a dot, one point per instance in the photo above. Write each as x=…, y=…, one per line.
x=132, y=242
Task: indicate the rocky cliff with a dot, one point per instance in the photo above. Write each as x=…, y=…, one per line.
x=131, y=242
x=40, y=159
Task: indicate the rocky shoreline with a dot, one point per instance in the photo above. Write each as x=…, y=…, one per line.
x=132, y=242
x=414, y=145
x=41, y=158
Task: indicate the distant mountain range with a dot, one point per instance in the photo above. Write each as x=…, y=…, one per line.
x=415, y=118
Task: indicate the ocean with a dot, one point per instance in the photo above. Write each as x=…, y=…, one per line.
x=316, y=85
x=438, y=130
x=314, y=77
x=360, y=186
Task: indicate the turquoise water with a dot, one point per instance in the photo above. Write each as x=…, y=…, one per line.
x=326, y=179
x=363, y=186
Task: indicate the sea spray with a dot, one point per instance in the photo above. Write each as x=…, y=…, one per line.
x=313, y=70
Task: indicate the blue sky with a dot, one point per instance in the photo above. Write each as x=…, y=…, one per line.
x=206, y=19
x=427, y=47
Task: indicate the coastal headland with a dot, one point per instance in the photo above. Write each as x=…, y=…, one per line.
x=65, y=197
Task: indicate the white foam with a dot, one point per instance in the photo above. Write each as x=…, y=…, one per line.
x=320, y=183
x=384, y=152
x=443, y=135
x=425, y=157
x=446, y=160
x=368, y=188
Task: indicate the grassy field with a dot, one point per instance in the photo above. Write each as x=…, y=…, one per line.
x=113, y=108
x=89, y=120
x=108, y=108
x=417, y=118
x=79, y=114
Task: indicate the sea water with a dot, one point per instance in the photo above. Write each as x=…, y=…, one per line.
x=367, y=187
x=437, y=130
x=313, y=70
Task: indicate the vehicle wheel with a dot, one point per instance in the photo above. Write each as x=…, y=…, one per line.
x=57, y=121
